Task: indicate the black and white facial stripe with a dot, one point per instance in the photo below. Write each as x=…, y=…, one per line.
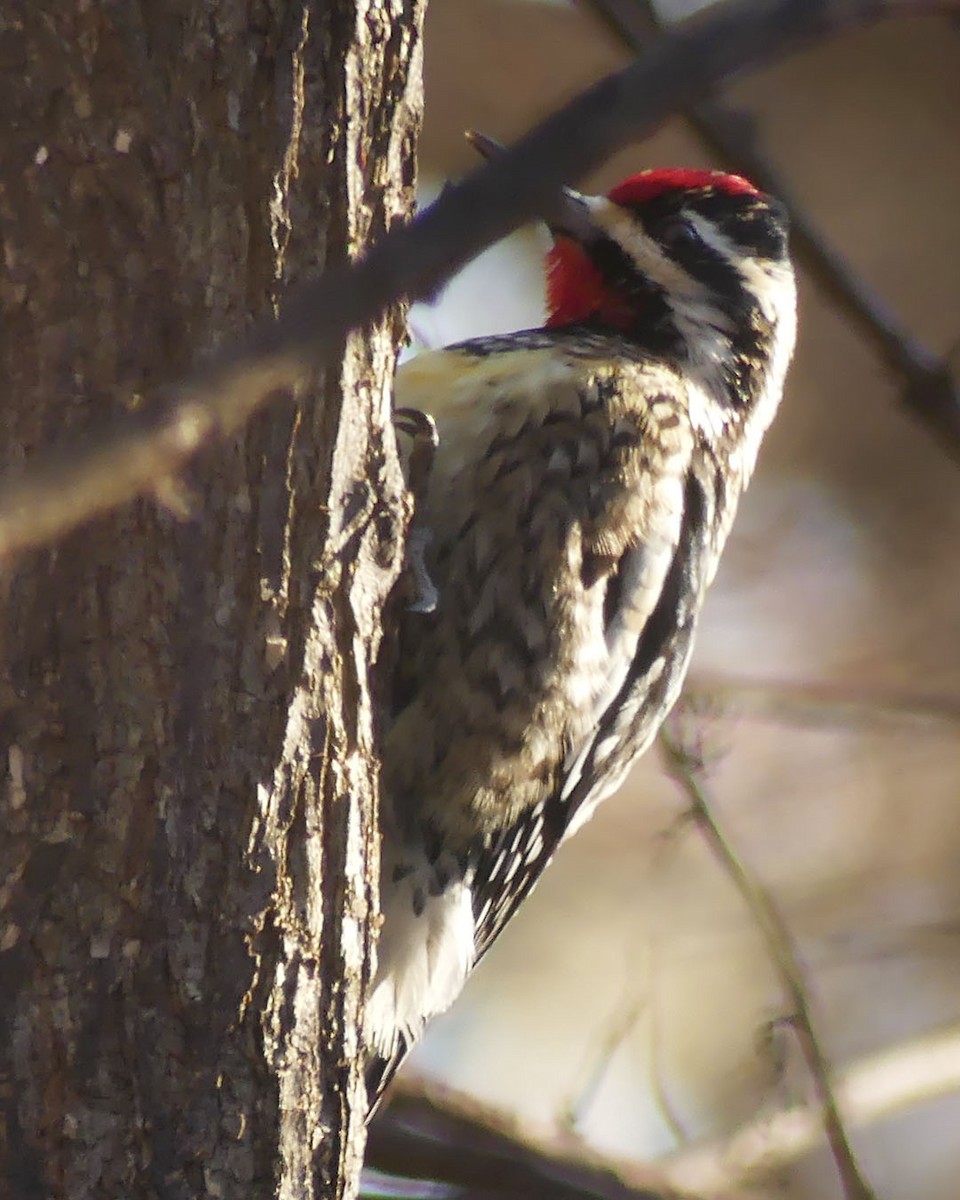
x=705, y=273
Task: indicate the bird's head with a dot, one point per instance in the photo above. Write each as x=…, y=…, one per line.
x=670, y=255
x=693, y=266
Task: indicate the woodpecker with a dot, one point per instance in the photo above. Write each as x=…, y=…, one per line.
x=585, y=478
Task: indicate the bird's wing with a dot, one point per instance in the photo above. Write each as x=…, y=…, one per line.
x=624, y=726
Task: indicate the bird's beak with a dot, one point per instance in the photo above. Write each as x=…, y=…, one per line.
x=572, y=218
x=568, y=216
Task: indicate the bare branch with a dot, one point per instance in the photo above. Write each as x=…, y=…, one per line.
x=881, y=1086
x=823, y=705
x=685, y=764
x=574, y=1110
x=429, y=1131
x=669, y=1111
x=137, y=455
x=446, y=1128
x=931, y=392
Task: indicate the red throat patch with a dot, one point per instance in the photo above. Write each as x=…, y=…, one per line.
x=576, y=290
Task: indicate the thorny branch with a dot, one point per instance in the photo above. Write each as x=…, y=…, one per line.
x=931, y=393
x=141, y=454
x=685, y=764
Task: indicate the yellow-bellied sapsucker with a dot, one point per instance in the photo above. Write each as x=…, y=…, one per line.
x=585, y=480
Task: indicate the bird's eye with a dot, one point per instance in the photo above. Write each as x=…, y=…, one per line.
x=677, y=233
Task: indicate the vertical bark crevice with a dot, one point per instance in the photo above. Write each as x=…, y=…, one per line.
x=186, y=733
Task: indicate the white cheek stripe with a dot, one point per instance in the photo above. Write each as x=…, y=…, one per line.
x=703, y=325
x=766, y=280
x=644, y=250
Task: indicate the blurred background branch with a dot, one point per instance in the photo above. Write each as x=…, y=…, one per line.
x=821, y=706
x=139, y=454
x=827, y=661
x=929, y=388
x=683, y=752
x=897, y=1079
x=431, y=1133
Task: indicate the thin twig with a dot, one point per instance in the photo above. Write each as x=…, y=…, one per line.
x=574, y=1110
x=823, y=705
x=891, y=1082
x=658, y=1077
x=135, y=456
x=686, y=766
x=887, y=1084
x=931, y=392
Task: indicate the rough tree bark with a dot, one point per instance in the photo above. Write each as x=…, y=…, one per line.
x=186, y=725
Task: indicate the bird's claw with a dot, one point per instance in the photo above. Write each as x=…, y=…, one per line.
x=421, y=428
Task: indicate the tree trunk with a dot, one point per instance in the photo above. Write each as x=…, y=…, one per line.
x=186, y=723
